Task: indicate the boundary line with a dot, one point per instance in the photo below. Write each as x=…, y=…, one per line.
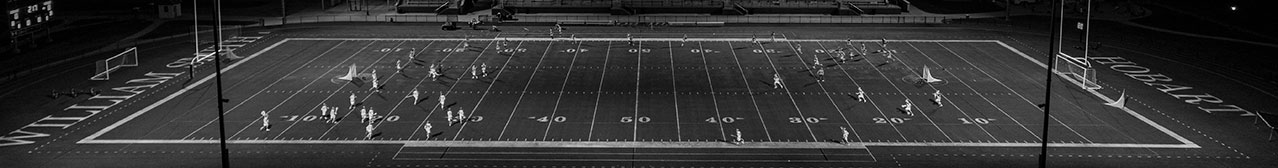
x=92, y=139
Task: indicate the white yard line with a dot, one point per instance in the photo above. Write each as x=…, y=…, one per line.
x=969, y=87
x=555, y=110
x=524, y=92
x=634, y=134
x=827, y=93
x=475, y=110
x=312, y=109
x=450, y=90
x=751, y=91
x=768, y=57
x=713, y=98
x=871, y=101
x=367, y=96
x=903, y=95
x=987, y=74
x=675, y=87
x=92, y=139
x=175, y=94
x=599, y=93
x=268, y=86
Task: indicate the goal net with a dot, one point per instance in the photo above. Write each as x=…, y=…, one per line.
x=103, y=68
x=1077, y=69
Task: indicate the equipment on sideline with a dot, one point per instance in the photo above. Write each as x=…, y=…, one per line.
x=927, y=75
x=1121, y=102
x=350, y=75
x=128, y=58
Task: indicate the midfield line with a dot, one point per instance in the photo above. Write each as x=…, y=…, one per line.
x=827, y=92
x=717, y=116
x=228, y=111
x=1071, y=129
x=903, y=95
x=638, y=68
x=599, y=93
x=475, y=110
x=751, y=91
x=308, y=112
x=522, y=93
x=787, y=90
x=960, y=109
x=555, y=110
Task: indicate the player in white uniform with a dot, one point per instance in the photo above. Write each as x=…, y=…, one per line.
x=816, y=62
x=936, y=99
x=450, y=118
x=461, y=115
x=352, y=100
x=739, y=139
x=363, y=114
x=483, y=69
x=399, y=67
x=332, y=115
x=820, y=75
x=798, y=49
x=427, y=128
x=372, y=116
x=324, y=111
x=685, y=40
x=375, y=87
x=776, y=81
x=266, y=122
x=441, y=100
x=414, y=95
x=369, y=129
x=434, y=72
x=908, y=107
x=860, y=94
x=474, y=72
x=845, y=134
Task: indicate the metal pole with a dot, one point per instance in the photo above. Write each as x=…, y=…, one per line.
x=1007, y=10
x=1047, y=100
x=217, y=72
x=195, y=25
x=283, y=13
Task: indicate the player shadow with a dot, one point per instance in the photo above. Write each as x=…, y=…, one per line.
x=738, y=48
x=788, y=55
x=449, y=105
x=810, y=83
x=882, y=64
x=375, y=135
x=837, y=141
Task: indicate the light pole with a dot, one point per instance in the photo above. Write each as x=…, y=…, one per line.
x=217, y=72
x=1051, y=64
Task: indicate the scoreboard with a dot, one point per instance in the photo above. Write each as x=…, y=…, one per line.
x=26, y=15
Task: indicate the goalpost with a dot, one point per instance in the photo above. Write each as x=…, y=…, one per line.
x=1073, y=56
x=103, y=68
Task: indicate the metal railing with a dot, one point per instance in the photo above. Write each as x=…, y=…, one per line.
x=555, y=18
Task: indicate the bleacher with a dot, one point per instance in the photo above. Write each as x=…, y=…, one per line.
x=425, y=6
x=724, y=7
